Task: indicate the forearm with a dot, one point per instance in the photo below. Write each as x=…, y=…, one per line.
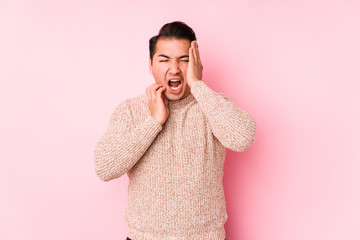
x=116, y=153
x=232, y=126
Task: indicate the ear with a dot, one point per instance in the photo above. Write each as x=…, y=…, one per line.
x=150, y=66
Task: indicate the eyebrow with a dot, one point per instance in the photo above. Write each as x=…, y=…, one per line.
x=182, y=56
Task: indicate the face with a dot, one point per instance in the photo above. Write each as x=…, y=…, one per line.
x=169, y=66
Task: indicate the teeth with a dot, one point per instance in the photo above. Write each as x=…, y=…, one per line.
x=175, y=80
x=175, y=88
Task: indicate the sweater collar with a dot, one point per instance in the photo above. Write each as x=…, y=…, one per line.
x=175, y=104
x=178, y=104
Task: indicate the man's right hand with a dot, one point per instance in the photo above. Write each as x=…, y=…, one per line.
x=158, y=104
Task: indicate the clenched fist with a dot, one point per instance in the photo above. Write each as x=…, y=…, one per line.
x=158, y=104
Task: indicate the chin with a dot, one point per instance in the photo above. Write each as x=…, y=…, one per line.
x=172, y=97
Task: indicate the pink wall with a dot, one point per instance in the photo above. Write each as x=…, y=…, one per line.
x=293, y=65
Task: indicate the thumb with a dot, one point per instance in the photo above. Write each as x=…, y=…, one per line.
x=166, y=102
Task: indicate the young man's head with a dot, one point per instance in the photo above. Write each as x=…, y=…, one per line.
x=169, y=57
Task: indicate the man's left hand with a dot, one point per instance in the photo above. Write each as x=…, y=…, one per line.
x=194, y=68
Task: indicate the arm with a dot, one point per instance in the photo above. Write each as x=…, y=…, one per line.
x=232, y=126
x=123, y=145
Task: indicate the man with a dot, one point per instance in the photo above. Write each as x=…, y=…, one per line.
x=171, y=142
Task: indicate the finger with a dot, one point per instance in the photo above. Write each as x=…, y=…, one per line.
x=166, y=102
x=196, y=58
x=191, y=53
x=150, y=91
x=196, y=52
x=153, y=88
x=156, y=86
x=159, y=91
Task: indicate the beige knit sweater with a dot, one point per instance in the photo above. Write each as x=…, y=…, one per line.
x=175, y=170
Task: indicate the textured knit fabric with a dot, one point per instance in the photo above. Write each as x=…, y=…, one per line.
x=175, y=170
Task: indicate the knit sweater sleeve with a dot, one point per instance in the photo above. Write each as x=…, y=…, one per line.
x=124, y=143
x=232, y=126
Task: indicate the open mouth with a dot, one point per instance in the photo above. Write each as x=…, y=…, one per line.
x=175, y=85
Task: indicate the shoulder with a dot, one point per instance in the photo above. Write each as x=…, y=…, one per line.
x=132, y=102
x=132, y=106
x=137, y=101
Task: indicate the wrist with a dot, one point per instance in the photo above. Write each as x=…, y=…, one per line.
x=192, y=82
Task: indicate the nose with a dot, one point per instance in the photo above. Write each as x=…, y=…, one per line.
x=174, y=67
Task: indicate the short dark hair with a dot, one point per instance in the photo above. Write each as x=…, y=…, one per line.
x=177, y=30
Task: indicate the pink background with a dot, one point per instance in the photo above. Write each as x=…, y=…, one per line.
x=293, y=65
